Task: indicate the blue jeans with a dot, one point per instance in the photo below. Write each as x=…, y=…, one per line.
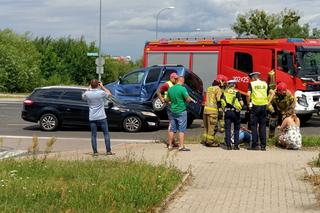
x=178, y=122
x=104, y=126
x=258, y=119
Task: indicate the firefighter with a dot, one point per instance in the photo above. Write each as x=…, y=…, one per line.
x=164, y=90
x=280, y=102
x=258, y=95
x=211, y=116
x=231, y=103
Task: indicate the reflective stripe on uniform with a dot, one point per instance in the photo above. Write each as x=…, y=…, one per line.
x=210, y=108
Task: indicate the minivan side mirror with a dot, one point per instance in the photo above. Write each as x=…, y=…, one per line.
x=120, y=79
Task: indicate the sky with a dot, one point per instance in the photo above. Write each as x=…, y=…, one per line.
x=128, y=24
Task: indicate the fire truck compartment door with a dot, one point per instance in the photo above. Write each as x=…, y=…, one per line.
x=154, y=58
x=238, y=62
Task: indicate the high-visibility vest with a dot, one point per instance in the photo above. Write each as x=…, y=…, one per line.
x=166, y=92
x=230, y=97
x=259, y=93
x=212, y=99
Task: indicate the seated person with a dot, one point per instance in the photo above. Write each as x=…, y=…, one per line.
x=244, y=136
x=290, y=136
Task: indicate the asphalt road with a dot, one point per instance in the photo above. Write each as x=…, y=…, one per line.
x=11, y=124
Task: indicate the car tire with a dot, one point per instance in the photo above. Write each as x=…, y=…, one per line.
x=157, y=105
x=48, y=122
x=132, y=124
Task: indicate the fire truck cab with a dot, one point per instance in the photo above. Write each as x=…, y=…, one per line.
x=295, y=61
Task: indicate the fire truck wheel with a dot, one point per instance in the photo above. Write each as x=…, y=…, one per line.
x=157, y=105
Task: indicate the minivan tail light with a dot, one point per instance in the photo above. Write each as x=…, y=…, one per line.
x=27, y=102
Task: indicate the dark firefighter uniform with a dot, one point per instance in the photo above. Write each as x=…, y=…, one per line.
x=231, y=103
x=212, y=117
x=258, y=91
x=281, y=102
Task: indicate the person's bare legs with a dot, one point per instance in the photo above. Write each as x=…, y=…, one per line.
x=170, y=138
x=181, y=139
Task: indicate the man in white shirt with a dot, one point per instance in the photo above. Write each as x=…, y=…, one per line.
x=95, y=96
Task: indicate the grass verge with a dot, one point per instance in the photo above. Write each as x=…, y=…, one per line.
x=307, y=140
x=83, y=186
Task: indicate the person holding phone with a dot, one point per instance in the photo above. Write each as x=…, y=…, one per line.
x=95, y=96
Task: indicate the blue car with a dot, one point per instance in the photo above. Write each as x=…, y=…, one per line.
x=140, y=86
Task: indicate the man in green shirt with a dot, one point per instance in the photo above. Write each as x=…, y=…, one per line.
x=178, y=97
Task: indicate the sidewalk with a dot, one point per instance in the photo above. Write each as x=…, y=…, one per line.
x=232, y=181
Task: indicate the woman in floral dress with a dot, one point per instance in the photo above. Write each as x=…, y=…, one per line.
x=290, y=136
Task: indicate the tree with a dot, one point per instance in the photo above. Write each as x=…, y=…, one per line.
x=263, y=25
x=19, y=63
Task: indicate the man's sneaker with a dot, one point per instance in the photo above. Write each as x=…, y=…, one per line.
x=184, y=149
x=95, y=154
x=263, y=149
x=110, y=153
x=170, y=148
x=229, y=148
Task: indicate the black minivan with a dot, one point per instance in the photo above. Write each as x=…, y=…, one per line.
x=58, y=106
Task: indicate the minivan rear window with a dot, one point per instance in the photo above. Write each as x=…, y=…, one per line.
x=72, y=96
x=54, y=94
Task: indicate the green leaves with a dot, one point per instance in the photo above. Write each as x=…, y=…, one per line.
x=282, y=25
x=19, y=63
x=26, y=63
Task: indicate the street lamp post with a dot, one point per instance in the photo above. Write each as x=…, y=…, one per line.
x=99, y=61
x=157, y=17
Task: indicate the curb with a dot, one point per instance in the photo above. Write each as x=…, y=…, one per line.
x=186, y=178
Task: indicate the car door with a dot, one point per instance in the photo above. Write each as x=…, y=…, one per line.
x=129, y=87
x=194, y=87
x=74, y=110
x=151, y=83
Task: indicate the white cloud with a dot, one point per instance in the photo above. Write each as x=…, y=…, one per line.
x=128, y=24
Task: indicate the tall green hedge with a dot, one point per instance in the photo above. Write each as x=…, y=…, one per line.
x=26, y=63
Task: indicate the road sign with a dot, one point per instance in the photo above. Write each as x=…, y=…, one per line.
x=100, y=61
x=99, y=69
x=93, y=54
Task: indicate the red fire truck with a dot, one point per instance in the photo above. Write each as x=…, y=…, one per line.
x=294, y=61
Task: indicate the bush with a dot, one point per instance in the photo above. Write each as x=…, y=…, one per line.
x=19, y=63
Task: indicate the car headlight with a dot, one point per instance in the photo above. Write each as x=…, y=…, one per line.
x=119, y=109
x=148, y=114
x=303, y=101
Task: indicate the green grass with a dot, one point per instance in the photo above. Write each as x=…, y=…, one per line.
x=83, y=186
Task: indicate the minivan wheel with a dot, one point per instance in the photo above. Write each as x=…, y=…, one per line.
x=132, y=124
x=157, y=105
x=48, y=122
